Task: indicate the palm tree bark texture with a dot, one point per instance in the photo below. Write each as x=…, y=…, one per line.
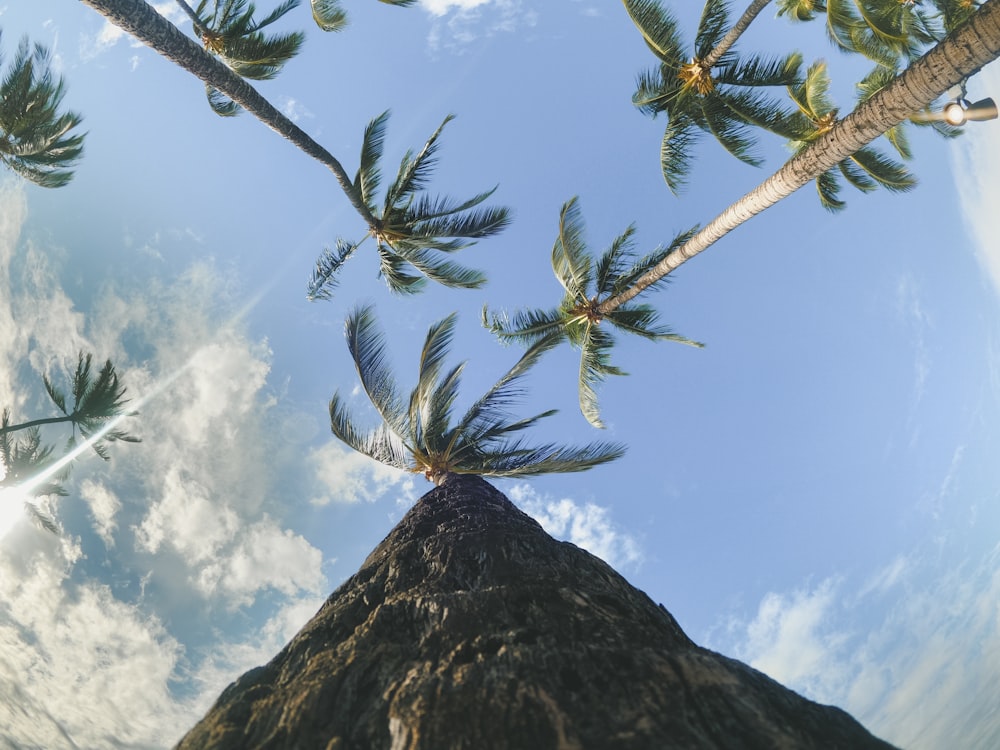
x=960, y=55
x=470, y=627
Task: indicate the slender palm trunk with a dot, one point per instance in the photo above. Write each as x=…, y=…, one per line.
x=34, y=423
x=195, y=21
x=734, y=33
x=140, y=20
x=961, y=54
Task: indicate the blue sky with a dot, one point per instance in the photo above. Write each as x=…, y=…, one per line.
x=815, y=492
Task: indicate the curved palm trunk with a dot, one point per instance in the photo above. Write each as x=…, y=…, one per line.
x=734, y=33
x=140, y=20
x=961, y=54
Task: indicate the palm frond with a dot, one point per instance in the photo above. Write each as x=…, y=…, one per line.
x=414, y=171
x=595, y=367
x=570, y=261
x=644, y=264
x=675, y=152
x=800, y=10
x=392, y=268
x=328, y=14
x=887, y=172
x=366, y=344
x=828, y=189
x=712, y=27
x=444, y=272
x=368, y=177
x=221, y=104
x=34, y=136
x=324, y=280
x=526, y=326
x=381, y=444
x=658, y=28
x=641, y=320
x=613, y=262
x=732, y=133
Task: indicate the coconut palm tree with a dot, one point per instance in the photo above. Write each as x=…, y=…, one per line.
x=99, y=404
x=586, y=284
x=411, y=229
x=138, y=18
x=229, y=31
x=866, y=168
x=712, y=91
x=960, y=55
x=35, y=139
x=419, y=434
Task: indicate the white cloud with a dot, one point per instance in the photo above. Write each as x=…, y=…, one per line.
x=190, y=512
x=588, y=526
x=913, y=655
x=977, y=162
x=264, y=556
x=441, y=7
x=104, y=506
x=78, y=667
x=346, y=476
x=458, y=23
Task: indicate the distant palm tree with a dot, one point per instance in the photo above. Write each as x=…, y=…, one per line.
x=229, y=31
x=410, y=229
x=98, y=405
x=866, y=168
x=586, y=285
x=419, y=434
x=711, y=90
x=960, y=55
x=35, y=140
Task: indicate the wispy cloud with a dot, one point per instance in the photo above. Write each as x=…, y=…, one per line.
x=191, y=512
x=458, y=23
x=976, y=157
x=588, y=525
x=913, y=654
x=346, y=476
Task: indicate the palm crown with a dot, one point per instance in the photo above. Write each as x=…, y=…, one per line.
x=716, y=93
x=410, y=228
x=586, y=285
x=229, y=31
x=98, y=404
x=35, y=140
x=865, y=169
x=419, y=434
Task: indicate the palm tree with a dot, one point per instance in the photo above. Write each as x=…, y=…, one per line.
x=713, y=90
x=866, y=168
x=99, y=404
x=419, y=435
x=35, y=140
x=435, y=218
x=586, y=285
x=960, y=55
x=230, y=32
x=410, y=229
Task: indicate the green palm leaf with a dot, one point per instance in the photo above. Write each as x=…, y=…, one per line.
x=367, y=180
x=35, y=140
x=328, y=14
x=577, y=318
x=419, y=436
x=324, y=280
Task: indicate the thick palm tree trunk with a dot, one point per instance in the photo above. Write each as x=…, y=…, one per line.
x=140, y=20
x=470, y=627
x=961, y=54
